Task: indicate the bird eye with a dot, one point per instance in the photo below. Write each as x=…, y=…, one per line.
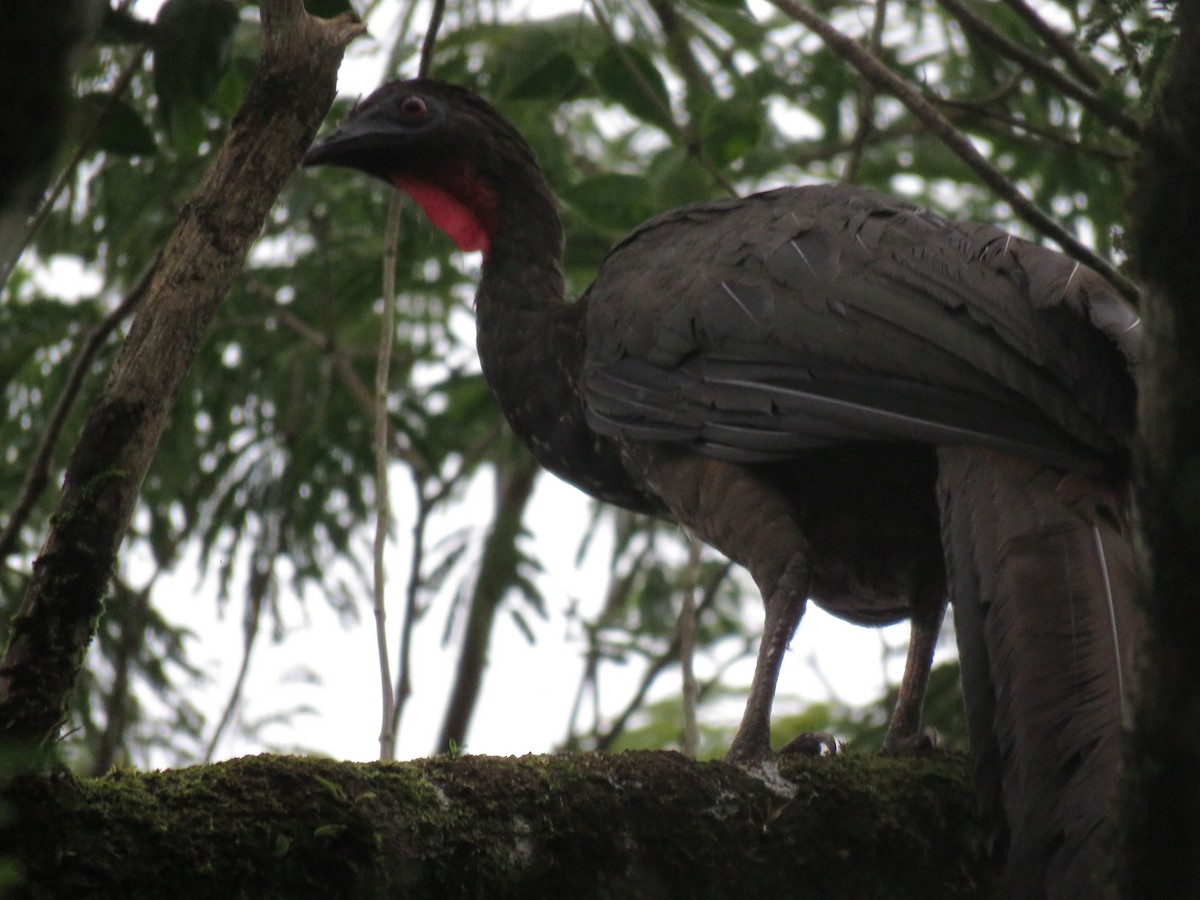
x=413, y=108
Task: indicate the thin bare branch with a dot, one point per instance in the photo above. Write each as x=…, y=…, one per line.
x=431, y=33
x=67, y=173
x=687, y=649
x=110, y=749
x=958, y=143
x=679, y=132
x=341, y=362
x=1043, y=69
x=657, y=666
x=250, y=631
x=677, y=35
x=618, y=590
x=498, y=571
x=866, y=101
x=1058, y=42
x=1028, y=134
x=37, y=476
x=413, y=610
x=383, y=512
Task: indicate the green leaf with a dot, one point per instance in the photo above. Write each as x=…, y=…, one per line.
x=678, y=178
x=122, y=130
x=186, y=128
x=628, y=77
x=554, y=79
x=612, y=201
x=191, y=49
x=536, y=62
x=729, y=131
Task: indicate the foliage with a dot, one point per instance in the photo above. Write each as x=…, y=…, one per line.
x=265, y=473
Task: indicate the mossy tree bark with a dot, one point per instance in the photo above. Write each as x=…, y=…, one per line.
x=1162, y=820
x=635, y=825
x=286, y=102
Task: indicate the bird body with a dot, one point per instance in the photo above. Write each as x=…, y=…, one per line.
x=856, y=400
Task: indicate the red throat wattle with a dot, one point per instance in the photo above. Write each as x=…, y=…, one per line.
x=458, y=203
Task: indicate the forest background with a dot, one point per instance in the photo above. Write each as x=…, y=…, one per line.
x=522, y=617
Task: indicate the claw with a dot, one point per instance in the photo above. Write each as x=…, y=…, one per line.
x=924, y=741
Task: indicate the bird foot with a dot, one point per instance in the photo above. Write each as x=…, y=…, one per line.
x=813, y=743
x=924, y=741
x=767, y=771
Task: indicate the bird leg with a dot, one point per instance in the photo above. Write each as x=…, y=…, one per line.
x=904, y=729
x=748, y=519
x=785, y=607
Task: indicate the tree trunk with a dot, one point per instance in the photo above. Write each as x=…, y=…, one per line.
x=498, y=573
x=1162, y=815
x=634, y=825
x=291, y=92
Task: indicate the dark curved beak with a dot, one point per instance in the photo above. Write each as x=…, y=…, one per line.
x=361, y=143
x=323, y=152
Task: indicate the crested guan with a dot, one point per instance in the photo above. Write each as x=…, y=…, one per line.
x=856, y=400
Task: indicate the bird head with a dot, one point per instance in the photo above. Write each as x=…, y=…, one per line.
x=442, y=144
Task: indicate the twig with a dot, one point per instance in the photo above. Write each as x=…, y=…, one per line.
x=363, y=397
x=687, y=649
x=131, y=640
x=350, y=379
x=435, y=23
x=392, y=709
x=887, y=80
x=1024, y=132
x=250, y=629
x=68, y=171
x=261, y=582
x=679, y=52
x=866, y=102
x=497, y=572
x=412, y=606
x=1060, y=43
x=657, y=666
x=37, y=476
x=679, y=133
x=1039, y=67
x=618, y=591
x=387, y=333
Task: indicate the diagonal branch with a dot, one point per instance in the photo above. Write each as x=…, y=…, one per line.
x=669, y=656
x=680, y=133
x=37, y=476
x=886, y=80
x=1060, y=43
x=294, y=86
x=1044, y=70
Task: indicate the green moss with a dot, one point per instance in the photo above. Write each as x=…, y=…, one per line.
x=644, y=824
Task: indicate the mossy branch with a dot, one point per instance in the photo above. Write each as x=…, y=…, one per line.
x=636, y=825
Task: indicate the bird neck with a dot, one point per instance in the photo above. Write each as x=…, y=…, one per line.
x=504, y=208
x=531, y=341
x=521, y=291
x=522, y=266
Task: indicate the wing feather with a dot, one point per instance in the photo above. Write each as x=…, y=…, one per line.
x=820, y=315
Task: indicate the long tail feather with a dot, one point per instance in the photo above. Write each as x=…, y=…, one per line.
x=1042, y=579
